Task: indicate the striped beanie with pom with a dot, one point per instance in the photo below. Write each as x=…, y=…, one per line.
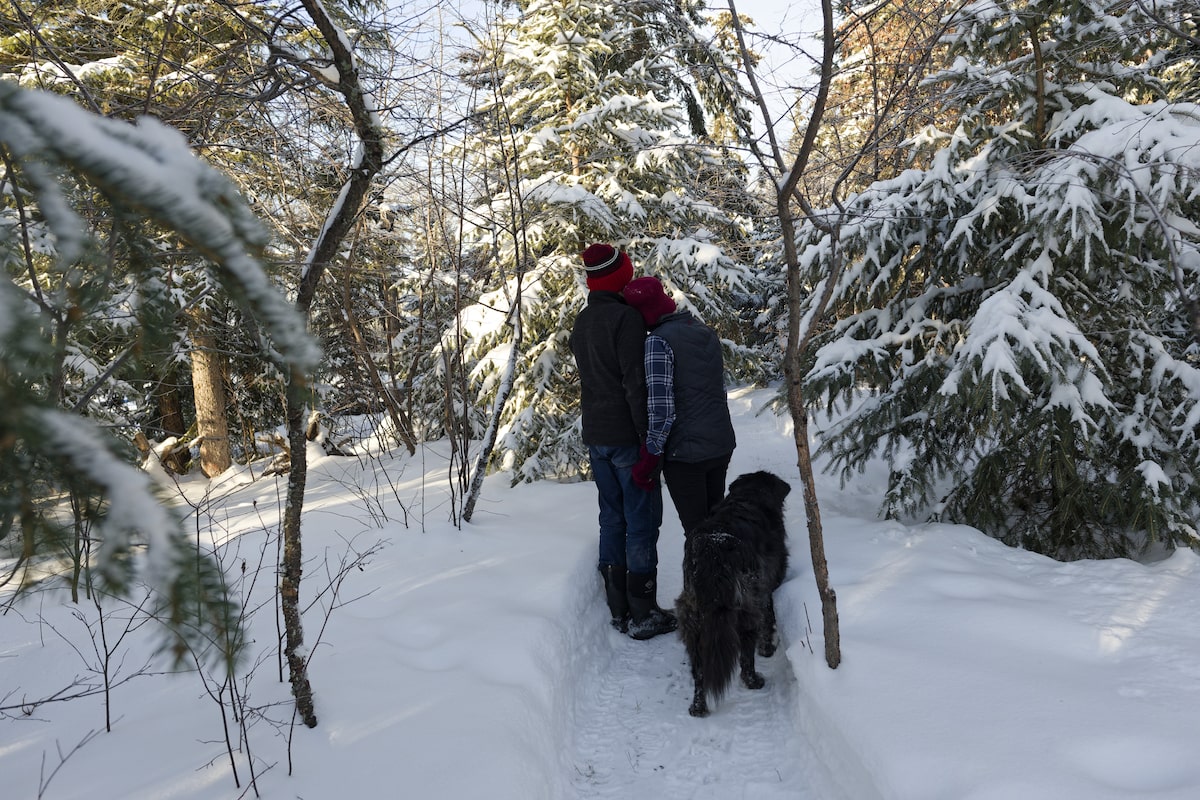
x=608, y=269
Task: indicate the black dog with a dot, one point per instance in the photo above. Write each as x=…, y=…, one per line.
x=732, y=563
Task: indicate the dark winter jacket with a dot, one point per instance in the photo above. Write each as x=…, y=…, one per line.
x=608, y=343
x=701, y=428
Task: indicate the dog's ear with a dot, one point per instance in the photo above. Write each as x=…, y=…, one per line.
x=782, y=487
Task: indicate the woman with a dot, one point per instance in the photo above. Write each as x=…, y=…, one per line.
x=690, y=434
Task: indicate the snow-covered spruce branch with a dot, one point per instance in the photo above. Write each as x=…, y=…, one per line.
x=149, y=167
x=1189, y=294
x=1177, y=30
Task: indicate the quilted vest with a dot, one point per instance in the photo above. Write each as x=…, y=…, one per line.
x=702, y=428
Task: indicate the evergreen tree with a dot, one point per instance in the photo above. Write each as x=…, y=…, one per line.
x=198, y=67
x=591, y=132
x=244, y=83
x=47, y=450
x=1015, y=311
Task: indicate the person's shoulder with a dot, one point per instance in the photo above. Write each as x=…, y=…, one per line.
x=613, y=304
x=680, y=317
x=599, y=297
x=609, y=309
x=656, y=343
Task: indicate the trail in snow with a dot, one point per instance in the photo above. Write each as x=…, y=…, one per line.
x=633, y=736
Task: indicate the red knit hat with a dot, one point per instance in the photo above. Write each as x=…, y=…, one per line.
x=608, y=269
x=648, y=296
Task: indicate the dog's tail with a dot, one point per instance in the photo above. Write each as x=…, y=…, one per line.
x=717, y=563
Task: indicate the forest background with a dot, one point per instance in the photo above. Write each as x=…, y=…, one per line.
x=232, y=230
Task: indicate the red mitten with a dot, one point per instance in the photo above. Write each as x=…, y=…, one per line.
x=645, y=471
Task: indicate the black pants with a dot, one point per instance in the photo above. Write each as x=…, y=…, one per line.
x=695, y=488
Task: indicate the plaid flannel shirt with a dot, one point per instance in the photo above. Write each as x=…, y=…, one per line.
x=660, y=391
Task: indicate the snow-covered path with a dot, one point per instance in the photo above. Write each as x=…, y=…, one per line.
x=632, y=735
x=632, y=731
x=478, y=663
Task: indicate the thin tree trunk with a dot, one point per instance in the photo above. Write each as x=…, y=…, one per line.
x=516, y=224
x=793, y=373
x=292, y=567
x=798, y=338
x=489, y=439
x=337, y=226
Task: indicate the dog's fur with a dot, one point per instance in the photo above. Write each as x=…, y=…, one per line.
x=732, y=564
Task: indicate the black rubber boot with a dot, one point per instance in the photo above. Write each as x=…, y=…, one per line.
x=614, y=593
x=646, y=619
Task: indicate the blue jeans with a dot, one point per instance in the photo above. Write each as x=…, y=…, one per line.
x=629, y=517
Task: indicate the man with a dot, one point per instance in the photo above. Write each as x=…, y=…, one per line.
x=688, y=424
x=608, y=342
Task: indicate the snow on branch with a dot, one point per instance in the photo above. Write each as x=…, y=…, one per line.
x=1023, y=322
x=148, y=166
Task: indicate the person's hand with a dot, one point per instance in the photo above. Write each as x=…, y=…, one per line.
x=645, y=471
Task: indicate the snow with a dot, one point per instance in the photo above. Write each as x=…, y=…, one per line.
x=478, y=662
x=1008, y=325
